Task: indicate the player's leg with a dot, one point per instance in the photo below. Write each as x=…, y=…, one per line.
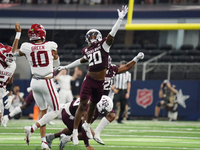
x=78, y=115
x=85, y=93
x=105, y=121
x=1, y=109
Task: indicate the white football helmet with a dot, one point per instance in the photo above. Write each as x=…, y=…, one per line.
x=105, y=105
x=93, y=32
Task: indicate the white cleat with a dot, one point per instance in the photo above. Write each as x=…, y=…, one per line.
x=5, y=120
x=27, y=130
x=63, y=141
x=45, y=146
x=86, y=127
x=51, y=123
x=98, y=139
x=75, y=138
x=49, y=141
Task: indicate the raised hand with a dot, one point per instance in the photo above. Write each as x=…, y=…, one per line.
x=140, y=55
x=17, y=27
x=123, y=11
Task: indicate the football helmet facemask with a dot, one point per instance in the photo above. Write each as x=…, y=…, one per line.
x=93, y=41
x=36, y=32
x=6, y=54
x=105, y=105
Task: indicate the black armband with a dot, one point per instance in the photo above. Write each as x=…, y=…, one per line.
x=9, y=87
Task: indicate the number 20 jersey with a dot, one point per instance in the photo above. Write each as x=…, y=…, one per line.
x=96, y=56
x=40, y=57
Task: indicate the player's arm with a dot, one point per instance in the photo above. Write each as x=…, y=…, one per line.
x=115, y=28
x=131, y=63
x=75, y=63
x=15, y=50
x=56, y=59
x=9, y=95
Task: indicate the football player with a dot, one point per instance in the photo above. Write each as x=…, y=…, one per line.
x=112, y=71
x=96, y=53
x=42, y=56
x=7, y=69
x=104, y=107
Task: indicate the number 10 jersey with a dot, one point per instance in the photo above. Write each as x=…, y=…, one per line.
x=40, y=57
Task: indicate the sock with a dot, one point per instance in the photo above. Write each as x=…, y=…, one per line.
x=48, y=117
x=33, y=128
x=43, y=139
x=103, y=123
x=15, y=111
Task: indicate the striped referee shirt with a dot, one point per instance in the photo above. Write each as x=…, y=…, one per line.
x=121, y=80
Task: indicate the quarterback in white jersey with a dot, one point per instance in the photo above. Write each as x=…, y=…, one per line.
x=7, y=68
x=42, y=57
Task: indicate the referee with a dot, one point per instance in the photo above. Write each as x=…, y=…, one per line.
x=122, y=86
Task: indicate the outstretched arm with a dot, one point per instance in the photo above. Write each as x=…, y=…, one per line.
x=115, y=28
x=75, y=63
x=15, y=50
x=131, y=63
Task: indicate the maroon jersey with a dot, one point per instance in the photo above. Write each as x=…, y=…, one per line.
x=97, y=57
x=74, y=106
x=30, y=99
x=110, y=74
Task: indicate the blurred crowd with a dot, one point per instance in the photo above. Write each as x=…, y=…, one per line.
x=92, y=2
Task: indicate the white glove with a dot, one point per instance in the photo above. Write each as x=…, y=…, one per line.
x=61, y=68
x=140, y=55
x=8, y=101
x=29, y=89
x=123, y=11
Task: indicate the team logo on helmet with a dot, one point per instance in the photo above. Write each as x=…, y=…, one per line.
x=6, y=54
x=105, y=105
x=96, y=33
x=144, y=97
x=36, y=32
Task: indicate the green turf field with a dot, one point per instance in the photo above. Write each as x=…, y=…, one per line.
x=132, y=135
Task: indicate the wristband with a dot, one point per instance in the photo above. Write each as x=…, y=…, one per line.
x=17, y=36
x=135, y=59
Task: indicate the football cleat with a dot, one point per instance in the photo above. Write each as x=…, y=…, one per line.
x=75, y=137
x=86, y=127
x=63, y=141
x=45, y=146
x=49, y=141
x=51, y=123
x=27, y=130
x=98, y=139
x=5, y=120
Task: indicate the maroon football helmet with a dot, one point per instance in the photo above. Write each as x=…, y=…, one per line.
x=36, y=32
x=6, y=54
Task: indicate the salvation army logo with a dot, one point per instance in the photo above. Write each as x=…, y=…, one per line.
x=144, y=97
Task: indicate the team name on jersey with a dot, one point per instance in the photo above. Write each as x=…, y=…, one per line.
x=5, y=73
x=93, y=50
x=37, y=47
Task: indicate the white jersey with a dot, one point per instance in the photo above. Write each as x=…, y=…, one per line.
x=64, y=82
x=6, y=74
x=40, y=57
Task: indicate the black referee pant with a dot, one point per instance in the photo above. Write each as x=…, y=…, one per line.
x=120, y=97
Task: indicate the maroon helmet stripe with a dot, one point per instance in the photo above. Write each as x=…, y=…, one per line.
x=51, y=94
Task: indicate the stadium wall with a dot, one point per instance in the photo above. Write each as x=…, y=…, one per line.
x=144, y=96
